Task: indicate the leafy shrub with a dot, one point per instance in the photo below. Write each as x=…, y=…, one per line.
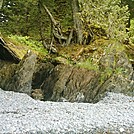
x=32, y=44
x=131, y=33
x=88, y=64
x=108, y=15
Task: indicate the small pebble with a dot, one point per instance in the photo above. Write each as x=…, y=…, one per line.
x=20, y=114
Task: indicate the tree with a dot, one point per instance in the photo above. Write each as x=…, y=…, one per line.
x=107, y=16
x=1, y=2
x=16, y=16
x=130, y=4
x=77, y=21
x=85, y=19
x=23, y=17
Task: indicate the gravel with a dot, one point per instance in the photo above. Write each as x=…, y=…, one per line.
x=20, y=114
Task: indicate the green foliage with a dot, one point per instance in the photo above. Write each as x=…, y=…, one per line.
x=28, y=18
x=131, y=31
x=31, y=44
x=88, y=64
x=63, y=13
x=130, y=4
x=17, y=16
x=108, y=15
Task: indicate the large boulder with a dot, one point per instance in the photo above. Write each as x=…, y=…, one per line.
x=18, y=77
x=70, y=83
x=64, y=82
x=121, y=79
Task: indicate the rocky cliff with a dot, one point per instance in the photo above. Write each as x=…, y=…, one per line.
x=54, y=80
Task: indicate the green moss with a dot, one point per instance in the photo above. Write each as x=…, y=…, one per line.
x=20, y=45
x=88, y=64
x=131, y=30
x=31, y=44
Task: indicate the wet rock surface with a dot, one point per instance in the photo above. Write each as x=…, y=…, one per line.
x=21, y=114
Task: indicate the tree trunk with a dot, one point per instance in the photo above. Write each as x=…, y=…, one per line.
x=56, y=28
x=1, y=2
x=41, y=27
x=77, y=21
x=56, y=32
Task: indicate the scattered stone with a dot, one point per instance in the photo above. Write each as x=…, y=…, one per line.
x=37, y=94
x=20, y=114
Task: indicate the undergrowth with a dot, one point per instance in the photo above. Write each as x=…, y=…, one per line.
x=30, y=43
x=88, y=64
x=131, y=32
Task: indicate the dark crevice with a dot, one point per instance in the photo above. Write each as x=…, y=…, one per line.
x=6, y=53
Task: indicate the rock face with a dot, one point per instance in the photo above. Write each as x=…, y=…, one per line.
x=71, y=83
x=19, y=77
x=41, y=72
x=122, y=78
x=64, y=82
x=6, y=73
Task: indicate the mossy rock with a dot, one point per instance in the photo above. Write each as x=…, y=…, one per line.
x=10, y=49
x=20, y=45
x=19, y=50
